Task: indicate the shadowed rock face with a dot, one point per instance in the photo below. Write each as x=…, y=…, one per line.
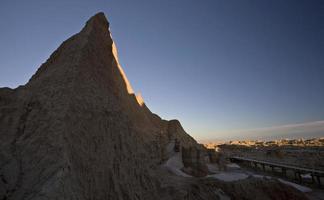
x=194, y=161
x=77, y=131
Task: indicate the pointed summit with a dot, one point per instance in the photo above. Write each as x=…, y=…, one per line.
x=92, y=50
x=97, y=24
x=98, y=20
x=76, y=130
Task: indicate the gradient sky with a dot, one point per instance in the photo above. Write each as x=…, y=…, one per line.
x=221, y=67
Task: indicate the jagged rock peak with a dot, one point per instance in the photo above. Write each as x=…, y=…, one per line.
x=93, y=40
x=98, y=21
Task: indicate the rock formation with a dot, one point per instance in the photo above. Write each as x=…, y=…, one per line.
x=76, y=130
x=194, y=161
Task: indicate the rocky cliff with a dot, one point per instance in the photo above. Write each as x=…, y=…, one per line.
x=76, y=130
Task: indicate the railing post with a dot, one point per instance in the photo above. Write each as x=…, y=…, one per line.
x=318, y=180
x=284, y=172
x=299, y=177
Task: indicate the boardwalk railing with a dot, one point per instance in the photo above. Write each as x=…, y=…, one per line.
x=298, y=171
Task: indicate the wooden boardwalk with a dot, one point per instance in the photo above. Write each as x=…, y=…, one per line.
x=298, y=171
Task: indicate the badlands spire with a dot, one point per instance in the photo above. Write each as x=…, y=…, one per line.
x=77, y=131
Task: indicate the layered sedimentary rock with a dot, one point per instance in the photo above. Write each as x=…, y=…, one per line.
x=76, y=130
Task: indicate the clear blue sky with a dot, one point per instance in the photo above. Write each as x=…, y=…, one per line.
x=219, y=66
